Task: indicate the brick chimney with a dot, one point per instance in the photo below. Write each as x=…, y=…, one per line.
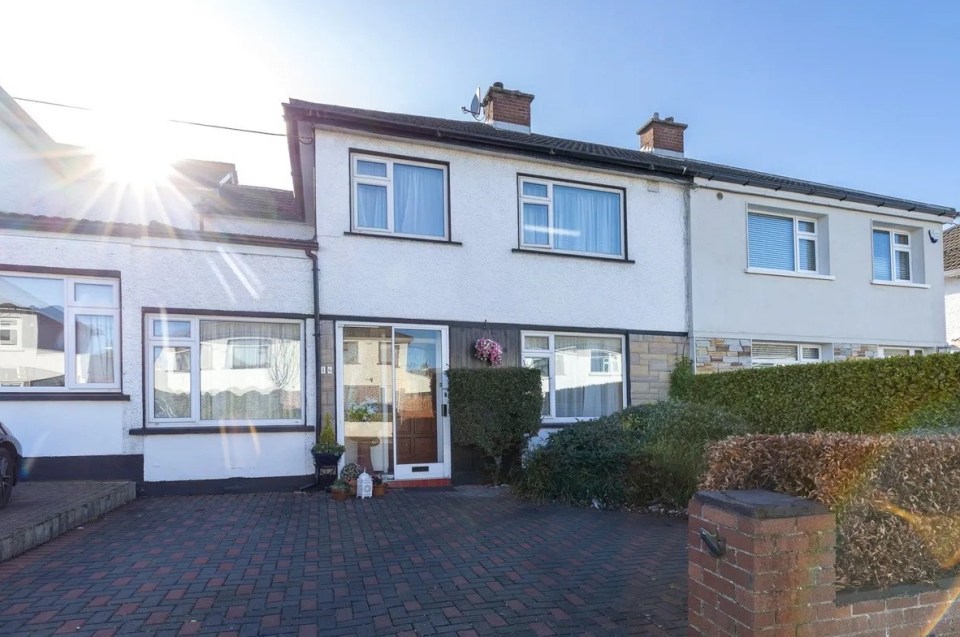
x=510, y=110
x=662, y=136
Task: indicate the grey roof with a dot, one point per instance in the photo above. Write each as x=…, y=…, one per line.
x=253, y=202
x=951, y=249
x=483, y=135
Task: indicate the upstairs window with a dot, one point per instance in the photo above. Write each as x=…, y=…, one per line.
x=892, y=260
x=560, y=217
x=59, y=333
x=777, y=242
x=400, y=197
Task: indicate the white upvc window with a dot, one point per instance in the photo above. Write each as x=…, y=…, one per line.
x=890, y=352
x=782, y=242
x=776, y=354
x=571, y=218
x=223, y=369
x=400, y=197
x=59, y=333
x=581, y=374
x=892, y=258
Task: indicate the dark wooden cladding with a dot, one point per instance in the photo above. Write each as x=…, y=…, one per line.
x=463, y=338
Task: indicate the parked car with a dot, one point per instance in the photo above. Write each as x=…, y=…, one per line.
x=11, y=458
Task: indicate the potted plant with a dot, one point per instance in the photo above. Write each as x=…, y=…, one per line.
x=326, y=453
x=350, y=473
x=339, y=490
x=379, y=486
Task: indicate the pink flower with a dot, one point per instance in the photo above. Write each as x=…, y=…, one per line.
x=489, y=350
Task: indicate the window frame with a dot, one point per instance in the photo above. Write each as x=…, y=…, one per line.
x=550, y=182
x=911, y=351
x=193, y=342
x=356, y=179
x=797, y=236
x=71, y=309
x=780, y=362
x=550, y=354
x=907, y=248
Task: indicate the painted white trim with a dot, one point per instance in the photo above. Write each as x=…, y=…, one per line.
x=900, y=284
x=790, y=273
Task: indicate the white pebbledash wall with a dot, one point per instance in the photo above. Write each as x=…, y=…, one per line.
x=731, y=303
x=482, y=279
x=951, y=290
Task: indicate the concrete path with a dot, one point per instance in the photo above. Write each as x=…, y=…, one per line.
x=465, y=561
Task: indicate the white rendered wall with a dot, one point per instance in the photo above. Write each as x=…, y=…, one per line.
x=175, y=274
x=216, y=457
x=951, y=289
x=482, y=279
x=729, y=302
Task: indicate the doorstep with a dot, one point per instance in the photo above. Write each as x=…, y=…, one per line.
x=418, y=484
x=40, y=511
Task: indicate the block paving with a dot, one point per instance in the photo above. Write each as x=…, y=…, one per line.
x=458, y=561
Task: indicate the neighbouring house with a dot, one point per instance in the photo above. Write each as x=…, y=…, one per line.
x=951, y=284
x=162, y=334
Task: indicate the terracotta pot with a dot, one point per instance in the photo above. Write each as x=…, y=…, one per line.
x=353, y=486
x=379, y=490
x=339, y=496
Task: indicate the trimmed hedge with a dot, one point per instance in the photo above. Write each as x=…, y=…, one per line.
x=643, y=454
x=863, y=396
x=495, y=408
x=897, y=498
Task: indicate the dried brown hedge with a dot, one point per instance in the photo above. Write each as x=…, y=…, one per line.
x=897, y=499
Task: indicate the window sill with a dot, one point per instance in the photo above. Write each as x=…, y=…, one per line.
x=567, y=255
x=401, y=237
x=901, y=284
x=64, y=396
x=790, y=273
x=224, y=429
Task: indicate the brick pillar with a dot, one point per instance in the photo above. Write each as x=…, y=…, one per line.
x=777, y=575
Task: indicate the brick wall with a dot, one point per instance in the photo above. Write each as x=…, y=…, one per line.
x=777, y=576
x=328, y=385
x=505, y=105
x=652, y=358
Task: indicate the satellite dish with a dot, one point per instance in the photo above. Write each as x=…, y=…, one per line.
x=476, y=108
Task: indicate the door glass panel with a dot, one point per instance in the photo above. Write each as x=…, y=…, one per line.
x=418, y=365
x=171, y=382
x=368, y=397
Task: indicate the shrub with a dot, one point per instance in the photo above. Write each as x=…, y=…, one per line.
x=582, y=462
x=496, y=409
x=897, y=498
x=638, y=455
x=681, y=379
x=864, y=396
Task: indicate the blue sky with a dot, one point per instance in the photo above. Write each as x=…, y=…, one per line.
x=858, y=94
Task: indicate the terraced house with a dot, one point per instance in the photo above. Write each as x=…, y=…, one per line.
x=195, y=341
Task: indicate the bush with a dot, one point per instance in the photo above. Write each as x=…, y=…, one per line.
x=863, y=396
x=897, y=498
x=643, y=454
x=496, y=409
x=681, y=379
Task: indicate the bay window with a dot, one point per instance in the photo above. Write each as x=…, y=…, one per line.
x=568, y=218
x=59, y=333
x=581, y=374
x=215, y=370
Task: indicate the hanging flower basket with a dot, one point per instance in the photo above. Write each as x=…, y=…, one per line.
x=487, y=349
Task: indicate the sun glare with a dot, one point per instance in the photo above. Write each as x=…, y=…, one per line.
x=135, y=152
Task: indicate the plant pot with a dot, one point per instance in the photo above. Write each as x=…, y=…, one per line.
x=379, y=490
x=325, y=459
x=339, y=496
x=353, y=486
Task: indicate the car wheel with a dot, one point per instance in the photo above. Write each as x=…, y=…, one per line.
x=6, y=476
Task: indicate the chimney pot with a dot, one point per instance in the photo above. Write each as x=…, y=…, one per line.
x=662, y=136
x=507, y=109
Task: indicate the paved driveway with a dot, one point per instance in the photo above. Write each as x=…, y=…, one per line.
x=467, y=561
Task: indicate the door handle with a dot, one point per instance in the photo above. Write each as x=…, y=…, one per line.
x=444, y=410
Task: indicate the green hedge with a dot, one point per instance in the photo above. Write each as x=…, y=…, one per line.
x=495, y=409
x=863, y=396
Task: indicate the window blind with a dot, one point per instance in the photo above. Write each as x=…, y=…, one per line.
x=770, y=242
x=882, y=270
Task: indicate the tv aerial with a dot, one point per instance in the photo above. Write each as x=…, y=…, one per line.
x=476, y=108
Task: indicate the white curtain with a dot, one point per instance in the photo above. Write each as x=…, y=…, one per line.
x=95, y=345
x=586, y=220
x=372, y=206
x=418, y=200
